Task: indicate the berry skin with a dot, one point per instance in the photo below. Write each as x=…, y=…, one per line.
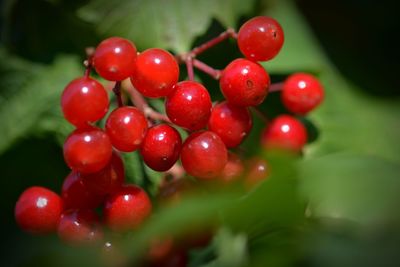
x=204, y=155
x=231, y=123
x=79, y=227
x=127, y=209
x=114, y=58
x=260, y=38
x=257, y=171
x=161, y=147
x=233, y=169
x=302, y=93
x=189, y=105
x=126, y=127
x=155, y=73
x=38, y=210
x=84, y=100
x=286, y=133
x=76, y=195
x=107, y=180
x=244, y=83
x=87, y=150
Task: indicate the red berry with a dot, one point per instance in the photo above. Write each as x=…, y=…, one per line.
x=189, y=105
x=257, y=171
x=244, y=83
x=79, y=227
x=155, y=73
x=302, y=93
x=76, y=195
x=87, y=150
x=84, y=100
x=233, y=169
x=107, y=180
x=126, y=127
x=231, y=123
x=127, y=208
x=114, y=59
x=260, y=38
x=204, y=155
x=38, y=210
x=284, y=132
x=161, y=147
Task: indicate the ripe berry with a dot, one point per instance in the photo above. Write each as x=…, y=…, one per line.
x=284, y=132
x=38, y=210
x=302, y=93
x=87, y=150
x=161, y=147
x=79, y=227
x=114, y=59
x=204, y=155
x=76, y=195
x=126, y=127
x=189, y=105
x=127, y=208
x=231, y=123
x=155, y=73
x=84, y=100
x=257, y=170
x=260, y=38
x=233, y=169
x=107, y=180
x=244, y=83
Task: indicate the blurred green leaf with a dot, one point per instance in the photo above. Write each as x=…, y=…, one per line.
x=133, y=168
x=168, y=24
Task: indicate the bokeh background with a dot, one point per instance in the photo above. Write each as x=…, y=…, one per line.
x=349, y=175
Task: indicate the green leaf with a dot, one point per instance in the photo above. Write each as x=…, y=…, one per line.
x=168, y=24
x=133, y=168
x=24, y=107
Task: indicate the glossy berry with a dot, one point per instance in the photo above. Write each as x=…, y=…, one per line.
x=114, y=58
x=127, y=208
x=38, y=210
x=244, y=83
x=189, y=105
x=126, y=127
x=284, y=132
x=231, y=123
x=257, y=170
x=204, y=155
x=109, y=179
x=161, y=147
x=84, y=100
x=233, y=169
x=79, y=227
x=155, y=73
x=301, y=93
x=87, y=150
x=76, y=195
x=260, y=38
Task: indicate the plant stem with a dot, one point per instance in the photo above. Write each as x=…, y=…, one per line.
x=216, y=74
x=189, y=67
x=117, y=92
x=223, y=36
x=260, y=114
x=88, y=62
x=275, y=87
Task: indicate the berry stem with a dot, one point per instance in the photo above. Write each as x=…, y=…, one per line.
x=260, y=114
x=88, y=62
x=216, y=74
x=275, y=87
x=189, y=67
x=223, y=36
x=117, y=92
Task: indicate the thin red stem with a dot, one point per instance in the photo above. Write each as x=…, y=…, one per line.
x=216, y=74
x=117, y=92
x=260, y=114
x=275, y=87
x=88, y=62
x=223, y=36
x=189, y=67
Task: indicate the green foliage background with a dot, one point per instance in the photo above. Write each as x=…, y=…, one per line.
x=336, y=206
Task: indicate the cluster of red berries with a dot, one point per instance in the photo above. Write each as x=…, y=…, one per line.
x=97, y=169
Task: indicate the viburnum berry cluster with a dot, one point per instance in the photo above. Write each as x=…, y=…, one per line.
x=97, y=177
